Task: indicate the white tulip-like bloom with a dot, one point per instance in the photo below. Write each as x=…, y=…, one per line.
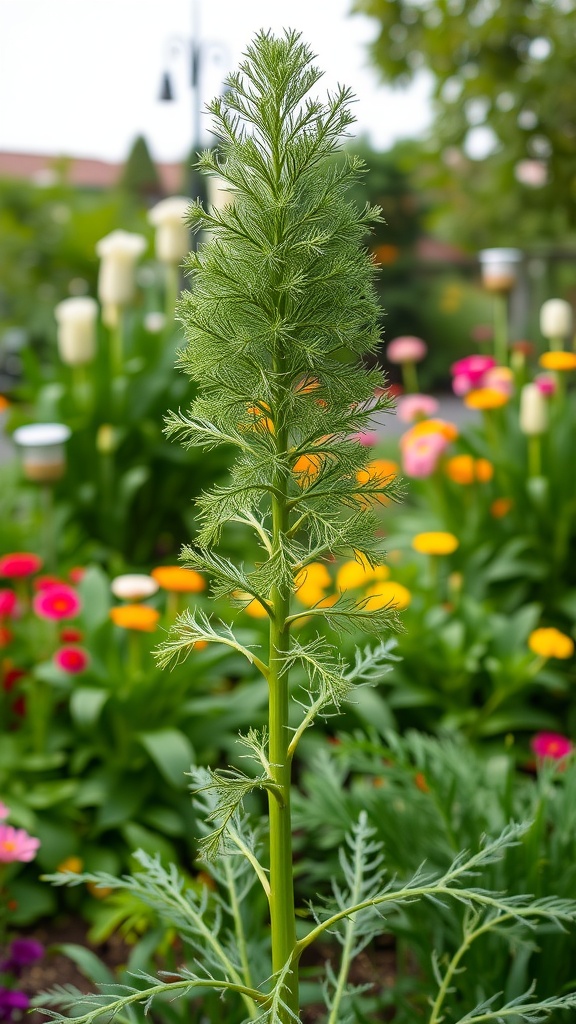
x=133, y=586
x=556, y=319
x=219, y=192
x=172, y=234
x=42, y=449
x=119, y=252
x=533, y=411
x=76, y=319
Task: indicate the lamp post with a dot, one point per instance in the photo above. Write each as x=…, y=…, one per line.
x=196, y=52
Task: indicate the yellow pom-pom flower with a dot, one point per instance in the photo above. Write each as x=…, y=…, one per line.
x=435, y=542
x=558, y=360
x=549, y=642
x=387, y=594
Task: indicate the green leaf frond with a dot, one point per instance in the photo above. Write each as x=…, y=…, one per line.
x=325, y=670
x=523, y=1008
x=229, y=787
x=190, y=627
x=371, y=664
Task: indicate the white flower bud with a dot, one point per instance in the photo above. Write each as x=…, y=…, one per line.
x=172, y=234
x=556, y=319
x=76, y=319
x=118, y=252
x=533, y=411
x=133, y=586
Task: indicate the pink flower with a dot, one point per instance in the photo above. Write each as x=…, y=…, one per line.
x=72, y=659
x=57, y=602
x=468, y=373
x=4, y=811
x=16, y=844
x=7, y=603
x=552, y=745
x=406, y=349
x=545, y=383
x=420, y=457
x=500, y=378
x=43, y=582
x=416, y=407
x=368, y=438
x=18, y=564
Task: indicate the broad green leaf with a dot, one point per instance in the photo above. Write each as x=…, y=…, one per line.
x=171, y=752
x=86, y=704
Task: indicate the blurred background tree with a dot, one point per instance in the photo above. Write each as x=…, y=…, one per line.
x=504, y=95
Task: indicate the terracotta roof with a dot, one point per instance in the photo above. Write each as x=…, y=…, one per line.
x=82, y=170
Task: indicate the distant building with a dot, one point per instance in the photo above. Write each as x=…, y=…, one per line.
x=80, y=171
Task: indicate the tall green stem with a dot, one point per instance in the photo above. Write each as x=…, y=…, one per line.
x=501, y=329
x=282, y=918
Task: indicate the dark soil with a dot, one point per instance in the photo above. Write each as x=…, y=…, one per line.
x=374, y=966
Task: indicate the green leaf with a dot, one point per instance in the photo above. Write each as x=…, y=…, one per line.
x=87, y=962
x=94, y=589
x=171, y=752
x=86, y=704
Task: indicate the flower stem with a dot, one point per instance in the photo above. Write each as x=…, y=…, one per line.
x=501, y=330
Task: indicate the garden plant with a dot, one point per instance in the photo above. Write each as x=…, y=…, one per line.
x=279, y=319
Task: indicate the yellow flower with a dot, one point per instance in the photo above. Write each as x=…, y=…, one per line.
x=551, y=643
x=485, y=398
x=388, y=594
x=354, y=574
x=311, y=583
x=435, y=542
x=99, y=892
x=73, y=864
x=256, y=610
x=558, y=360
x=135, y=616
x=465, y=469
x=178, y=579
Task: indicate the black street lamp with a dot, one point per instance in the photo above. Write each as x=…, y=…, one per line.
x=196, y=52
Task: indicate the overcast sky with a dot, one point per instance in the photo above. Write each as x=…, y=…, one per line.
x=82, y=77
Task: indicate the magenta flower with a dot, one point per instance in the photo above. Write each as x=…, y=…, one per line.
x=16, y=844
x=367, y=438
x=10, y=1000
x=72, y=659
x=57, y=602
x=551, y=745
x=468, y=373
x=545, y=383
x=416, y=407
x=19, y=564
x=406, y=349
x=7, y=603
x=420, y=456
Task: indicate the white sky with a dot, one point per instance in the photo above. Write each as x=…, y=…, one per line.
x=82, y=76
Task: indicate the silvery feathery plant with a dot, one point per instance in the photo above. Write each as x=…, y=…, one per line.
x=282, y=293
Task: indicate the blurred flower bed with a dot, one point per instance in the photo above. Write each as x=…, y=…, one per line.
x=96, y=740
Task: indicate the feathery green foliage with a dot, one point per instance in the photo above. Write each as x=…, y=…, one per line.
x=282, y=294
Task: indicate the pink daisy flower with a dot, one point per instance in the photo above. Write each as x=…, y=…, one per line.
x=406, y=349
x=551, y=745
x=7, y=603
x=57, y=602
x=16, y=845
x=415, y=407
x=18, y=564
x=72, y=659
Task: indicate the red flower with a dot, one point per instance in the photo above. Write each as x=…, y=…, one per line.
x=57, y=602
x=72, y=659
x=18, y=564
x=7, y=603
x=43, y=582
x=6, y=636
x=11, y=677
x=77, y=573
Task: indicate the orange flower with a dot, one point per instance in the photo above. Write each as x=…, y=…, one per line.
x=178, y=579
x=558, y=360
x=99, y=892
x=307, y=466
x=435, y=542
x=465, y=469
x=386, y=254
x=135, y=616
x=379, y=470
x=4, y=403
x=388, y=594
x=73, y=864
x=551, y=643
x=485, y=398
x=500, y=507
x=433, y=426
